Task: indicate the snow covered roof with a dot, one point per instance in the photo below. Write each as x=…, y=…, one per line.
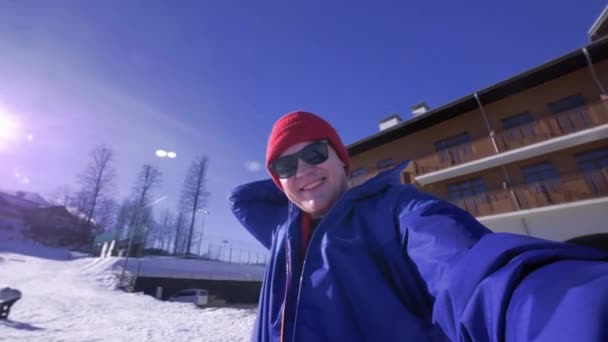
x=20, y=202
x=78, y=213
x=56, y=210
x=28, y=196
x=172, y=267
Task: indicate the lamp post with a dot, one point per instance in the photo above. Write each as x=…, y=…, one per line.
x=205, y=212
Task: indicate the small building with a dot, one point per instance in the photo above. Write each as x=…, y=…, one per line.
x=56, y=226
x=12, y=205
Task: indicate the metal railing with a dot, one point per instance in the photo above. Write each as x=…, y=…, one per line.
x=495, y=202
x=476, y=149
x=564, y=189
x=551, y=126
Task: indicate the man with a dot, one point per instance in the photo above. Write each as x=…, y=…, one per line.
x=385, y=262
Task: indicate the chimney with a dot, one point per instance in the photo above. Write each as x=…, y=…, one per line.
x=419, y=109
x=389, y=122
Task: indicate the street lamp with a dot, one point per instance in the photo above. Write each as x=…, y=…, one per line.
x=205, y=212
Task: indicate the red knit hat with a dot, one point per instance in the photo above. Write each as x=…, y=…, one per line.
x=297, y=127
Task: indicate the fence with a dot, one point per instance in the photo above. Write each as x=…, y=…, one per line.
x=226, y=253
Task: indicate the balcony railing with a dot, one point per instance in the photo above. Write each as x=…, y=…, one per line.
x=476, y=149
x=500, y=201
x=565, y=189
x=552, y=126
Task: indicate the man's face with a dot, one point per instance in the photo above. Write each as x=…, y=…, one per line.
x=315, y=188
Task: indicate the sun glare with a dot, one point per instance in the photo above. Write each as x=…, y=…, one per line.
x=9, y=127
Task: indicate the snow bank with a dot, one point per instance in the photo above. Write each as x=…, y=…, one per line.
x=74, y=300
x=12, y=241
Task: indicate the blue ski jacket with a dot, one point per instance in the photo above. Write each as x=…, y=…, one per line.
x=390, y=263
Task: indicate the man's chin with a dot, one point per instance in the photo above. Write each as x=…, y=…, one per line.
x=316, y=212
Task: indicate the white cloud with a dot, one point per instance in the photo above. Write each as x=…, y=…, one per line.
x=253, y=166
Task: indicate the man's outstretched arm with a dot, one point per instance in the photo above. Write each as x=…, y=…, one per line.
x=505, y=287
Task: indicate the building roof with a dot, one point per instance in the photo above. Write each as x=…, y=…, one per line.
x=20, y=202
x=600, y=26
x=546, y=72
x=27, y=195
x=56, y=209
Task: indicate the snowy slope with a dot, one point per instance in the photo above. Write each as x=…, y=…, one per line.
x=66, y=299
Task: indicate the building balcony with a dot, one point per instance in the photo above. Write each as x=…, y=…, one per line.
x=559, y=131
x=565, y=189
x=454, y=156
x=553, y=126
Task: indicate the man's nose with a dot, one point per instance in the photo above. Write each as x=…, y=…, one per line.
x=303, y=168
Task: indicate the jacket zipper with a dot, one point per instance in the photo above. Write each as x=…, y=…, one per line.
x=287, y=284
x=295, y=320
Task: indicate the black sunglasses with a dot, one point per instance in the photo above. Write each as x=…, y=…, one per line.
x=313, y=154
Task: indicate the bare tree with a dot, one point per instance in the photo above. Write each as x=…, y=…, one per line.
x=148, y=179
x=80, y=202
x=179, y=223
x=106, y=216
x=194, y=195
x=166, y=233
x=122, y=218
x=60, y=195
x=160, y=232
x=96, y=179
x=149, y=223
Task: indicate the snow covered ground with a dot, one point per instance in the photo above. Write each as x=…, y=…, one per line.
x=71, y=298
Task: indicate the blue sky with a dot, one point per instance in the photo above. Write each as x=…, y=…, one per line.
x=211, y=77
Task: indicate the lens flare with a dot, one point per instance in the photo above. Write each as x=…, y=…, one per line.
x=9, y=127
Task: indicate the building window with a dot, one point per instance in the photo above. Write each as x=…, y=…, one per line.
x=385, y=163
x=357, y=172
x=450, y=142
x=466, y=189
x=517, y=120
x=594, y=165
x=567, y=103
x=592, y=160
x=544, y=173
